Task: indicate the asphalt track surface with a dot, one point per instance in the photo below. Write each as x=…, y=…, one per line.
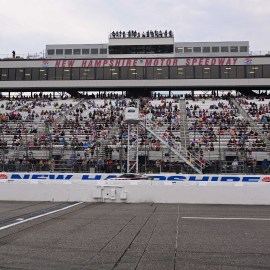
x=133, y=236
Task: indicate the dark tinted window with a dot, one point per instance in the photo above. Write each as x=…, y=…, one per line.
x=103, y=51
x=28, y=74
x=4, y=74
x=50, y=52
x=11, y=74
x=197, y=49
x=19, y=74
x=85, y=51
x=43, y=74
x=206, y=49
x=59, y=51
x=94, y=51
x=51, y=74
x=66, y=74
x=77, y=51
x=68, y=51
x=224, y=49
x=215, y=49
x=234, y=48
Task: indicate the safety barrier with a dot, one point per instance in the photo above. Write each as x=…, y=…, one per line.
x=164, y=188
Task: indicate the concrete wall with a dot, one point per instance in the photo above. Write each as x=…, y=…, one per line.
x=202, y=192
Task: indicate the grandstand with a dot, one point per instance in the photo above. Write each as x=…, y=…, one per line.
x=72, y=120
x=175, y=134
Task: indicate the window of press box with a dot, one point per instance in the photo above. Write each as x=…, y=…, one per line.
x=206, y=49
x=150, y=73
x=50, y=52
x=161, y=73
x=59, y=51
x=177, y=72
x=94, y=51
x=243, y=49
x=224, y=49
x=115, y=73
x=42, y=74
x=189, y=72
x=135, y=73
x=59, y=73
x=103, y=51
x=28, y=74
x=214, y=72
x=206, y=72
x=234, y=48
x=19, y=74
x=35, y=74
x=99, y=73
x=4, y=74
x=188, y=49
x=66, y=74
x=51, y=74
x=68, y=51
x=85, y=51
x=111, y=73
x=77, y=51
x=11, y=74
x=253, y=71
x=240, y=71
x=215, y=49
x=228, y=72
x=131, y=73
x=266, y=71
x=179, y=49
x=87, y=73
x=197, y=49
x=198, y=72
x=75, y=73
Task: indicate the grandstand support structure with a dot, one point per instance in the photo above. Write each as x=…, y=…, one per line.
x=131, y=146
x=182, y=153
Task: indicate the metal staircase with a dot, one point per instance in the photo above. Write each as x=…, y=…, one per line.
x=63, y=116
x=180, y=152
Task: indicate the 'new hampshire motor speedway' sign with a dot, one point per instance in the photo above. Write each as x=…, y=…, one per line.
x=10, y=177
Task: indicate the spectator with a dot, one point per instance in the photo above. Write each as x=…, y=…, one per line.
x=254, y=165
x=265, y=166
x=235, y=166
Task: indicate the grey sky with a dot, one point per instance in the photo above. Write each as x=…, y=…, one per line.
x=28, y=25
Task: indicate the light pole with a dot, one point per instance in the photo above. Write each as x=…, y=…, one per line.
x=219, y=148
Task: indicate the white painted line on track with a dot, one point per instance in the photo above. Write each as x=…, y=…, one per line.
x=227, y=218
x=39, y=216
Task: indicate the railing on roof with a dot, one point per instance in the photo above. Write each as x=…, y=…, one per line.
x=259, y=53
x=39, y=55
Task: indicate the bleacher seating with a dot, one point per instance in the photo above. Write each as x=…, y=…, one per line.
x=81, y=135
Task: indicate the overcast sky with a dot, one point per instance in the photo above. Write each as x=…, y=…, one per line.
x=28, y=25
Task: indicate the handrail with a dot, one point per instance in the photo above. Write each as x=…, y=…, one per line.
x=180, y=152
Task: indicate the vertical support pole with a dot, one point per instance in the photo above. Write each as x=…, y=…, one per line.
x=128, y=146
x=137, y=150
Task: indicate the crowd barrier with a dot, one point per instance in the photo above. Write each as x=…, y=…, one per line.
x=163, y=188
x=6, y=177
